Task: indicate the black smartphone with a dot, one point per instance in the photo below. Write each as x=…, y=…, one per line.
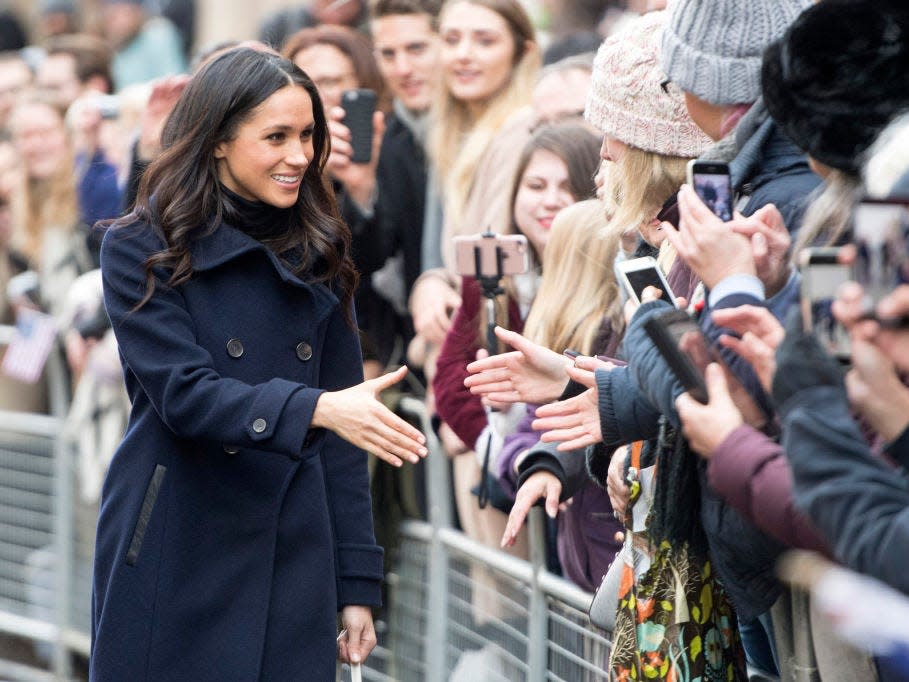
x=359, y=106
x=639, y=273
x=681, y=342
x=710, y=181
x=823, y=272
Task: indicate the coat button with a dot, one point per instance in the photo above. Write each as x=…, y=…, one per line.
x=259, y=425
x=231, y=449
x=235, y=348
x=304, y=351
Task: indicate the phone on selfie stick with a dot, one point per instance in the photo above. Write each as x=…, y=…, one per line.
x=489, y=257
x=359, y=106
x=711, y=182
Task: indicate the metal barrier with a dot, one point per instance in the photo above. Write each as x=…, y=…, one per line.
x=446, y=626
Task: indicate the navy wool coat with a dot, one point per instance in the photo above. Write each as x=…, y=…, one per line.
x=230, y=531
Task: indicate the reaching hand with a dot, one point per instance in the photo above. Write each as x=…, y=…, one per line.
x=432, y=304
x=573, y=423
x=530, y=374
x=761, y=334
x=875, y=389
x=358, y=638
x=356, y=415
x=709, y=247
x=616, y=486
x=162, y=100
x=770, y=242
x=541, y=485
x=706, y=426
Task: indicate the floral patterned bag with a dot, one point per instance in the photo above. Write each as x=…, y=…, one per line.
x=674, y=622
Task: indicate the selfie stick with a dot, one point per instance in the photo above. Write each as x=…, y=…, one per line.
x=491, y=288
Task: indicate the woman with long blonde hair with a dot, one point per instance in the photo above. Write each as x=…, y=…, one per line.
x=480, y=116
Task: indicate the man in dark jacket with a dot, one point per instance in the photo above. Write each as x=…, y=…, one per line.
x=384, y=207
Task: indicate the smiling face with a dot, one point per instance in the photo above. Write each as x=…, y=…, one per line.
x=271, y=150
x=478, y=52
x=40, y=138
x=543, y=192
x=407, y=51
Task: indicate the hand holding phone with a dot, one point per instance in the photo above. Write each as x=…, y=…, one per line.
x=823, y=273
x=636, y=275
x=359, y=106
x=711, y=182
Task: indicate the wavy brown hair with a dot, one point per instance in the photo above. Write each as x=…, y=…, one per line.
x=181, y=196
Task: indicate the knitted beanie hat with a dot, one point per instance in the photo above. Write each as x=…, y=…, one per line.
x=626, y=100
x=838, y=77
x=712, y=48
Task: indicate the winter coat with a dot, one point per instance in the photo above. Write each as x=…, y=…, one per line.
x=230, y=532
x=859, y=503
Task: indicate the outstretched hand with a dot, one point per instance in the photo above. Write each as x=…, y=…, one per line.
x=573, y=423
x=541, y=485
x=359, y=417
x=530, y=374
x=761, y=334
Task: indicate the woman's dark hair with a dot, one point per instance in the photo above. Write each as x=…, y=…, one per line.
x=180, y=193
x=573, y=142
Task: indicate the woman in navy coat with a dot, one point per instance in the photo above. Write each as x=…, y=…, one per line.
x=235, y=520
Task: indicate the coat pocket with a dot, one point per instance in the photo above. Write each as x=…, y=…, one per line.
x=148, y=505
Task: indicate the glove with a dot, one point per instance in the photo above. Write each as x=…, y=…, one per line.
x=801, y=363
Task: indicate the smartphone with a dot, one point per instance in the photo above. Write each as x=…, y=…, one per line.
x=823, y=272
x=681, y=342
x=880, y=232
x=710, y=180
x=359, y=106
x=639, y=273
x=491, y=255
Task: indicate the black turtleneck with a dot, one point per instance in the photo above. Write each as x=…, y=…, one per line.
x=256, y=218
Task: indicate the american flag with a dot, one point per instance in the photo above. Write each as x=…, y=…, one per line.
x=27, y=353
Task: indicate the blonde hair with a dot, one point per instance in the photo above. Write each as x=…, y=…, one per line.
x=640, y=184
x=458, y=139
x=579, y=290
x=46, y=202
x=829, y=215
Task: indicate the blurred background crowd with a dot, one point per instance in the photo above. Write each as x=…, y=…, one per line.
x=570, y=122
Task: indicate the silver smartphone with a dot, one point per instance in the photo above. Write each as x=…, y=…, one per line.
x=639, y=273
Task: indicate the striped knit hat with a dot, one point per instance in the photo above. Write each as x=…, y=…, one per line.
x=626, y=100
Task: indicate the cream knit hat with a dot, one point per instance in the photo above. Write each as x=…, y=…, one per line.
x=626, y=100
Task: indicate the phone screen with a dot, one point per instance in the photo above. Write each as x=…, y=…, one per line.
x=880, y=232
x=647, y=277
x=716, y=192
x=822, y=277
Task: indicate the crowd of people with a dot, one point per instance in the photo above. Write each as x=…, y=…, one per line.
x=541, y=371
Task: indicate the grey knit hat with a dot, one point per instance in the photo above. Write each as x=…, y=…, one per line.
x=712, y=48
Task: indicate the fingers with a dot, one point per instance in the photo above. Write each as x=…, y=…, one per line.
x=490, y=363
x=553, y=493
x=894, y=305
x=582, y=376
x=591, y=364
x=482, y=354
x=522, y=504
x=354, y=655
x=379, y=384
x=717, y=387
x=513, y=339
x=650, y=294
x=558, y=409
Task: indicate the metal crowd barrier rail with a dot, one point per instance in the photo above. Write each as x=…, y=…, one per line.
x=523, y=624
